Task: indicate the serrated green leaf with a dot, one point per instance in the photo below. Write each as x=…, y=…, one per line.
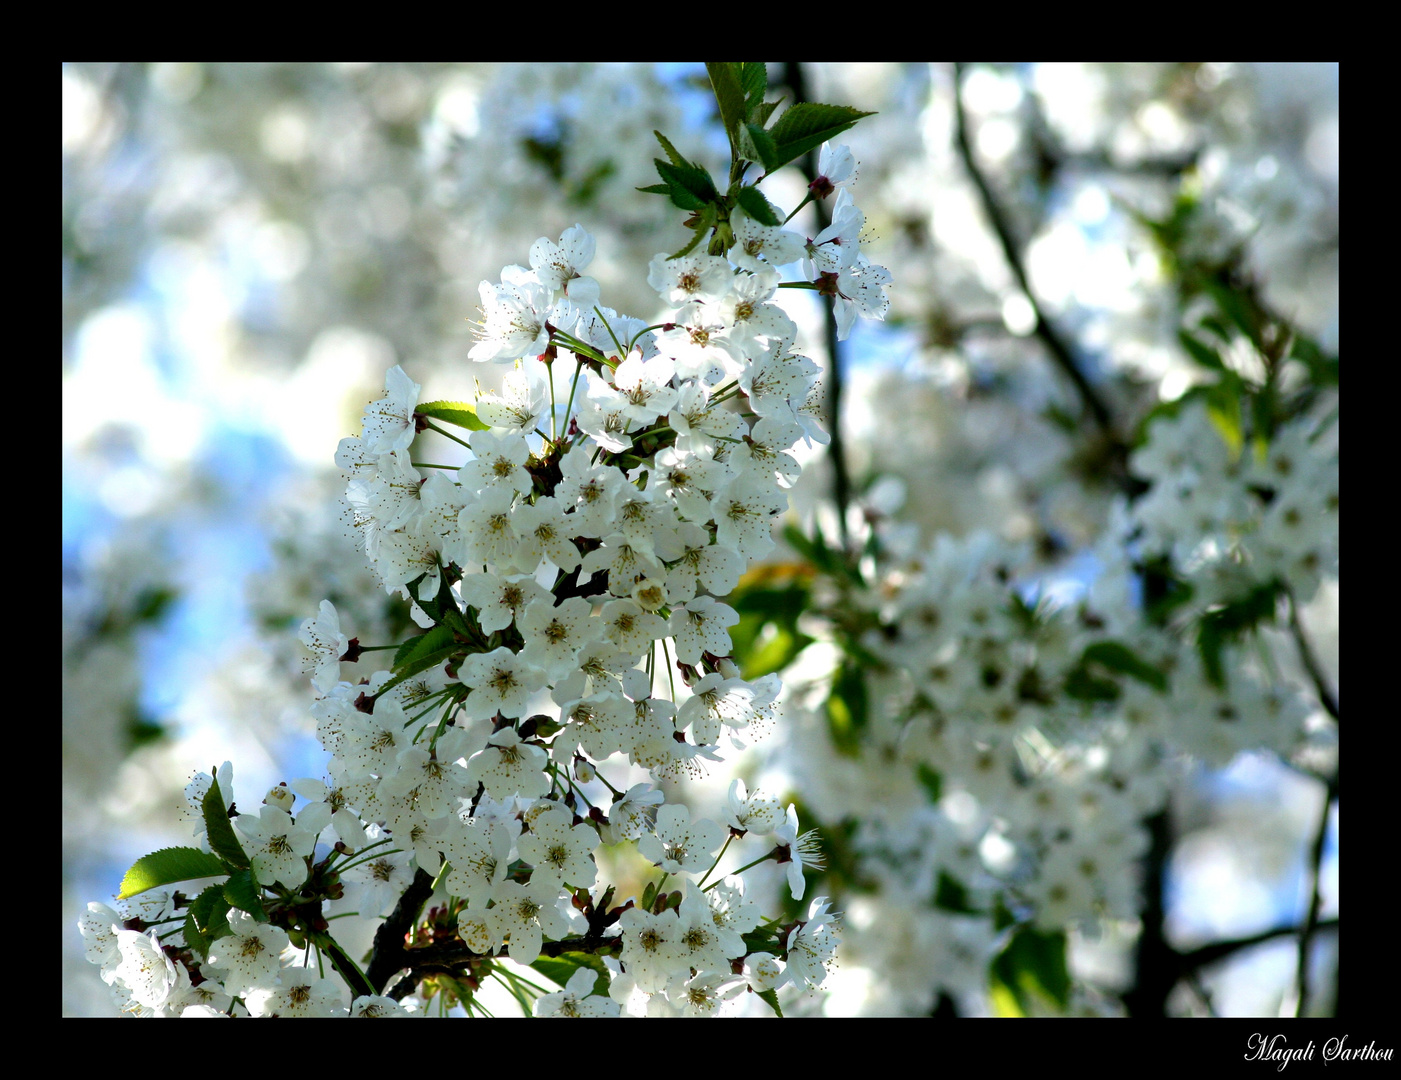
x=676, y=158
x=210, y=910
x=1033, y=965
x=459, y=413
x=761, y=113
x=196, y=939
x=207, y=920
x=770, y=998
x=560, y=969
x=696, y=239
x=753, y=203
x=729, y=94
x=242, y=892
x=429, y=643
x=1116, y=656
x=760, y=146
x=691, y=186
x=656, y=189
x=754, y=81
x=222, y=839
x=807, y=125
x=166, y=867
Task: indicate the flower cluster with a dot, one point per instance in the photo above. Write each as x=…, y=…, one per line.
x=548, y=571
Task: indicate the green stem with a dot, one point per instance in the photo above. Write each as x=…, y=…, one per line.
x=807, y=199
x=644, y=330
x=348, y=969
x=622, y=352
x=447, y=434
x=569, y=407
x=743, y=868
x=716, y=863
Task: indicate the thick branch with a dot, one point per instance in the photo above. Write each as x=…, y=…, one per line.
x=389, y=953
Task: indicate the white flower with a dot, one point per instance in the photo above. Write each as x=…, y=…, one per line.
x=812, y=944
x=500, y=681
x=509, y=766
x=250, y=956
x=776, y=246
x=558, y=266
x=577, y=998
x=389, y=423
x=515, y=315
x=694, y=277
x=278, y=846
x=327, y=643
x=680, y=845
x=145, y=969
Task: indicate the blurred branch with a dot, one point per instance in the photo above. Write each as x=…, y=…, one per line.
x=794, y=79
x=1049, y=335
x=1311, y=922
x=1220, y=950
x=1311, y=664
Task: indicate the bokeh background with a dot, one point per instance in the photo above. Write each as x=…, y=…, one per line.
x=247, y=248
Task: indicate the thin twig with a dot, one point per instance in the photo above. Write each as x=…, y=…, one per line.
x=836, y=449
x=1311, y=664
x=1050, y=337
x=1315, y=899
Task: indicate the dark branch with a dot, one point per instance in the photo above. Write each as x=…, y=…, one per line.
x=1050, y=337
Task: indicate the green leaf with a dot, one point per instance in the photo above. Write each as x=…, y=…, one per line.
x=760, y=113
x=951, y=895
x=807, y=125
x=754, y=81
x=428, y=644
x=931, y=780
x=1116, y=656
x=1200, y=352
x=753, y=203
x=459, y=413
x=1239, y=311
x=770, y=998
x=776, y=653
x=242, y=892
x=702, y=226
x=166, y=867
x=729, y=95
x=222, y=839
x=560, y=969
x=759, y=146
x=656, y=189
x=848, y=707
x=691, y=186
x=1083, y=686
x=676, y=158
x=1229, y=622
x=207, y=920
x=1033, y=965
